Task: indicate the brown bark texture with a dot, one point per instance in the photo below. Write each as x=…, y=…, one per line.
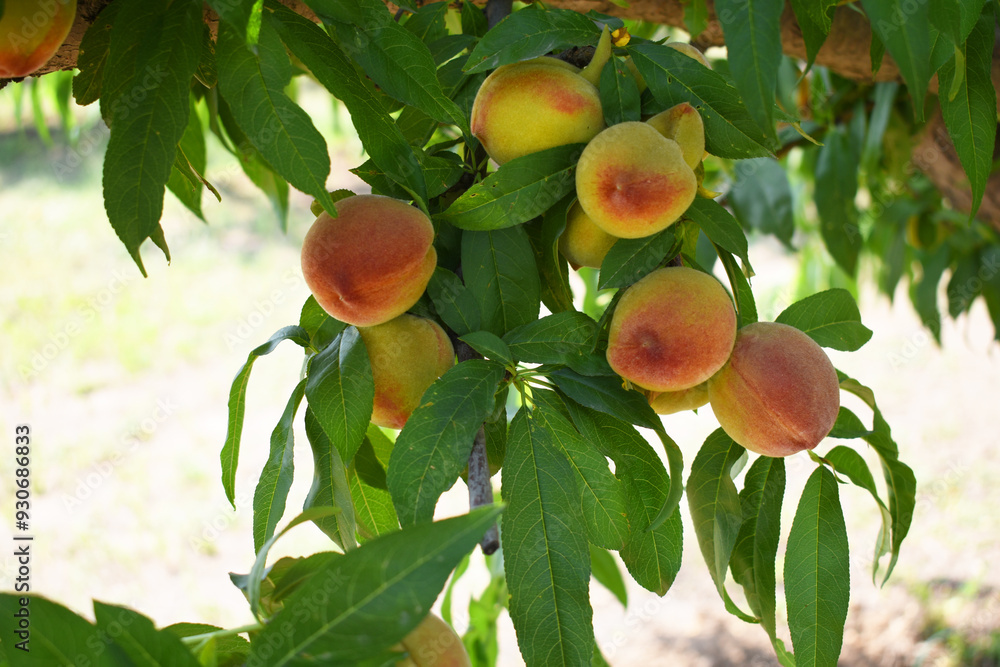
x=846, y=52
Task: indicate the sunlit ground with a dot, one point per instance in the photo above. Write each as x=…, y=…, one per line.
x=125, y=380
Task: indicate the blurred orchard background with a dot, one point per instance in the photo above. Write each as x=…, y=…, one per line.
x=124, y=382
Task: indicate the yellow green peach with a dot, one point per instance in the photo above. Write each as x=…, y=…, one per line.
x=683, y=124
x=583, y=243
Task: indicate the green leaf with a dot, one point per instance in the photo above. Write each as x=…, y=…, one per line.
x=653, y=557
x=440, y=172
x=230, y=651
x=531, y=32
x=619, y=93
x=904, y=29
x=552, y=268
x=428, y=22
x=237, y=14
x=719, y=226
x=361, y=604
x=878, y=120
x=604, y=509
x=836, y=186
x=753, y=33
x=605, y=570
x=606, y=394
x=373, y=506
x=955, y=18
x=368, y=461
x=237, y=405
x=756, y=548
x=137, y=637
x=695, y=16
x=341, y=391
x=490, y=346
x=330, y=487
x=378, y=44
x=815, y=19
x=93, y=56
x=553, y=339
x=746, y=307
x=58, y=636
x=380, y=136
x=831, y=318
x=518, y=191
x=971, y=113
x=730, y=131
x=817, y=573
x=276, y=477
x=153, y=55
x=762, y=198
x=549, y=584
x=322, y=328
x=499, y=270
x=715, y=508
x=433, y=447
x=253, y=83
x=455, y=304
x=631, y=259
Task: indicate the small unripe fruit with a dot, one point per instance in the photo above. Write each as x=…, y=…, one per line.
x=683, y=124
x=434, y=643
x=407, y=354
x=370, y=263
x=582, y=242
x=669, y=402
x=530, y=106
x=633, y=182
x=779, y=392
x=672, y=330
x=31, y=31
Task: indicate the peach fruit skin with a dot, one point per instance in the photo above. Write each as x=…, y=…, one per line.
x=370, y=263
x=672, y=330
x=669, y=402
x=434, y=643
x=779, y=392
x=633, y=182
x=582, y=242
x=683, y=124
x=31, y=32
x=530, y=106
x=407, y=354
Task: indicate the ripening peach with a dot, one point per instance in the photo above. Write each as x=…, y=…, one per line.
x=533, y=105
x=407, y=354
x=669, y=402
x=633, y=182
x=779, y=392
x=672, y=330
x=582, y=242
x=31, y=31
x=683, y=124
x=370, y=263
x=434, y=643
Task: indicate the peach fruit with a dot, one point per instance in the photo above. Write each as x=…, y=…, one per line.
x=683, y=124
x=633, y=182
x=533, y=105
x=31, y=31
x=434, y=643
x=672, y=330
x=407, y=354
x=669, y=402
x=779, y=392
x=370, y=263
x=583, y=243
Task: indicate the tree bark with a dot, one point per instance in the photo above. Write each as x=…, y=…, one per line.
x=846, y=52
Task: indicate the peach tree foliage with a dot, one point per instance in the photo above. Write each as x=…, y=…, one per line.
x=551, y=410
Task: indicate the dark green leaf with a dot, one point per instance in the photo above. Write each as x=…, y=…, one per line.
x=58, y=637
x=236, y=13
x=673, y=77
x=373, y=507
x=276, y=477
x=606, y=394
x=836, y=186
x=619, y=93
x=817, y=573
x=440, y=172
x=490, y=346
x=322, y=328
x=341, y=391
x=152, y=57
x=831, y=318
x=139, y=639
x=848, y=426
x=531, y=32
x=762, y=198
x=428, y=22
x=237, y=405
x=695, y=16
x=815, y=19
x=746, y=307
x=605, y=570
x=366, y=601
x=231, y=651
x=93, y=56
x=186, y=180
x=885, y=95
x=904, y=28
x=554, y=339
x=518, y=191
x=367, y=462
x=719, y=226
x=552, y=268
x=631, y=259
x=433, y=447
x=330, y=488
x=456, y=305
x=549, y=587
x=499, y=270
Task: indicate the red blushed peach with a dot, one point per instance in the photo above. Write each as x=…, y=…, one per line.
x=31, y=31
x=672, y=330
x=779, y=392
x=370, y=263
x=407, y=354
x=530, y=106
x=633, y=182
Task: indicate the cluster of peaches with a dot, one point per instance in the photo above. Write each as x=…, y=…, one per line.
x=673, y=334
